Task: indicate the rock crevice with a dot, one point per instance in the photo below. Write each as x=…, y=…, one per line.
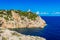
x=18, y=19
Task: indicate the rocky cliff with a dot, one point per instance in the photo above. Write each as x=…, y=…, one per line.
x=20, y=19
x=6, y=34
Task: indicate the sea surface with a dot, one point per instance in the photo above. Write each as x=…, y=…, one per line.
x=50, y=32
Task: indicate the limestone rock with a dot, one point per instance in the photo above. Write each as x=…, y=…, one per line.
x=13, y=19
x=6, y=34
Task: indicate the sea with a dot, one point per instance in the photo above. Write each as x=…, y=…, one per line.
x=50, y=32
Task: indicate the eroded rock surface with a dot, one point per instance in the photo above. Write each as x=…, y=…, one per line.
x=6, y=34
x=18, y=19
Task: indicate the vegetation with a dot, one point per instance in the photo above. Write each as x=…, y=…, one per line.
x=8, y=14
x=29, y=15
x=15, y=34
x=4, y=38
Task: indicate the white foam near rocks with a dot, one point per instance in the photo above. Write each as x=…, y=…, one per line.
x=6, y=34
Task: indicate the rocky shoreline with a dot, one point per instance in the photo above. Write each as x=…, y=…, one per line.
x=18, y=19
x=6, y=34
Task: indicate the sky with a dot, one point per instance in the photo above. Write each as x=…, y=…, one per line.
x=42, y=7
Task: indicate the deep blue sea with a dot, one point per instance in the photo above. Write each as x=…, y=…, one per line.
x=50, y=32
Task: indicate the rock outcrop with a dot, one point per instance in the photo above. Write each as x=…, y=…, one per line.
x=6, y=34
x=18, y=19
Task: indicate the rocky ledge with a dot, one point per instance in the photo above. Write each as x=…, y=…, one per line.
x=20, y=19
x=6, y=34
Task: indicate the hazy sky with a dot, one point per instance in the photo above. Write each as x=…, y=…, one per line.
x=45, y=7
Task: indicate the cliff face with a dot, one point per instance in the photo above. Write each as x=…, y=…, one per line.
x=6, y=34
x=18, y=19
